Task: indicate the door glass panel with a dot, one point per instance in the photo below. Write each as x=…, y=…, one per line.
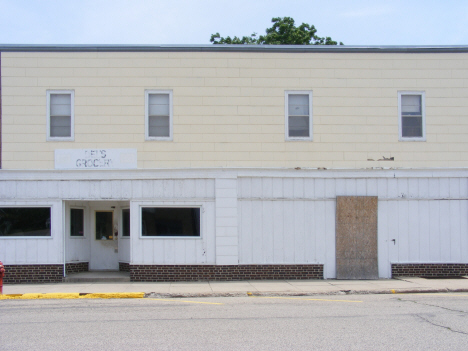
x=104, y=225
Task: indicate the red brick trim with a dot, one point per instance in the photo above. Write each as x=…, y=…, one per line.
x=124, y=267
x=172, y=273
x=429, y=269
x=33, y=273
x=76, y=267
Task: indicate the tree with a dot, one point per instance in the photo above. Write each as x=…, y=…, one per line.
x=283, y=32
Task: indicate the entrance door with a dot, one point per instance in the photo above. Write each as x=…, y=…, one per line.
x=356, y=237
x=104, y=244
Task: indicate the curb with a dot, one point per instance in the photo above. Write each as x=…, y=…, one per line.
x=295, y=293
x=34, y=296
x=140, y=295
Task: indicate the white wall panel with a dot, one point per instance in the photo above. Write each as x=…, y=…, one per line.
x=154, y=250
x=124, y=249
x=44, y=250
x=328, y=188
x=425, y=231
x=107, y=189
x=286, y=232
x=285, y=218
x=427, y=217
x=227, y=221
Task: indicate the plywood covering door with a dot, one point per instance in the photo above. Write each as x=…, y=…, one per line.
x=356, y=237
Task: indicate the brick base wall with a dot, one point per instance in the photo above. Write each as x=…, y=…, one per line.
x=76, y=267
x=173, y=273
x=124, y=267
x=429, y=269
x=37, y=273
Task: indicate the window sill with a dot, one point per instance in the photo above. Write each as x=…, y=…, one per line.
x=60, y=139
x=411, y=139
x=298, y=139
x=158, y=139
x=25, y=237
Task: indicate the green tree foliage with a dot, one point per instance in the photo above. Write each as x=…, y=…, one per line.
x=283, y=32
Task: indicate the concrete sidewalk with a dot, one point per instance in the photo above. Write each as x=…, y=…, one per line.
x=251, y=287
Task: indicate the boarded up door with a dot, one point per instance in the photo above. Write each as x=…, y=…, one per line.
x=356, y=237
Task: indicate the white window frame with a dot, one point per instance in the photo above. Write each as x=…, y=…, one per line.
x=27, y=204
x=423, y=112
x=147, y=136
x=72, y=117
x=286, y=115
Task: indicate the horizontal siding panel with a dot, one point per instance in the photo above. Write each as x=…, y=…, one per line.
x=231, y=106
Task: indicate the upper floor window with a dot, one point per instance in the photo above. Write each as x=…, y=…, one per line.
x=60, y=115
x=158, y=111
x=412, y=117
x=298, y=115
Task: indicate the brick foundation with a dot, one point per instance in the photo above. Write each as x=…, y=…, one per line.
x=37, y=273
x=76, y=267
x=124, y=267
x=429, y=269
x=173, y=273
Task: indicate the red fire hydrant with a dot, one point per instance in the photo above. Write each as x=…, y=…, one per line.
x=2, y=273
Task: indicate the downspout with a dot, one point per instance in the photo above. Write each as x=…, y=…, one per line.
x=64, y=238
x=0, y=110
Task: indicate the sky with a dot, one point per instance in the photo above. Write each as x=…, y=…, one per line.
x=354, y=22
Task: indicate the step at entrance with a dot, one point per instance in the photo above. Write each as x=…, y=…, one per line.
x=97, y=277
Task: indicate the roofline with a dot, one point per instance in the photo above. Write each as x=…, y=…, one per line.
x=233, y=48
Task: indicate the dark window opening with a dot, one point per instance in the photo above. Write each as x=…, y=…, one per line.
x=104, y=225
x=126, y=222
x=25, y=221
x=158, y=221
x=77, y=222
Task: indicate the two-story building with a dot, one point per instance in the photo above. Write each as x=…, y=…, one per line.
x=233, y=161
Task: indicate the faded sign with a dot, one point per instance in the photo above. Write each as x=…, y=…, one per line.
x=95, y=159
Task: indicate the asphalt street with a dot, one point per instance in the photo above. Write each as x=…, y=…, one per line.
x=348, y=322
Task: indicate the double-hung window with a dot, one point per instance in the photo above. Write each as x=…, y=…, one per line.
x=60, y=115
x=298, y=115
x=158, y=115
x=412, y=119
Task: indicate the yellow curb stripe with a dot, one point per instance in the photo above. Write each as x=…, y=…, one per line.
x=298, y=298
x=202, y=302
x=135, y=295
x=433, y=294
x=35, y=296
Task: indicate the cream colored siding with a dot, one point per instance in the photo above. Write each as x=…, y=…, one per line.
x=228, y=108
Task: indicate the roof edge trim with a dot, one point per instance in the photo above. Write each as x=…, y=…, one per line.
x=234, y=48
